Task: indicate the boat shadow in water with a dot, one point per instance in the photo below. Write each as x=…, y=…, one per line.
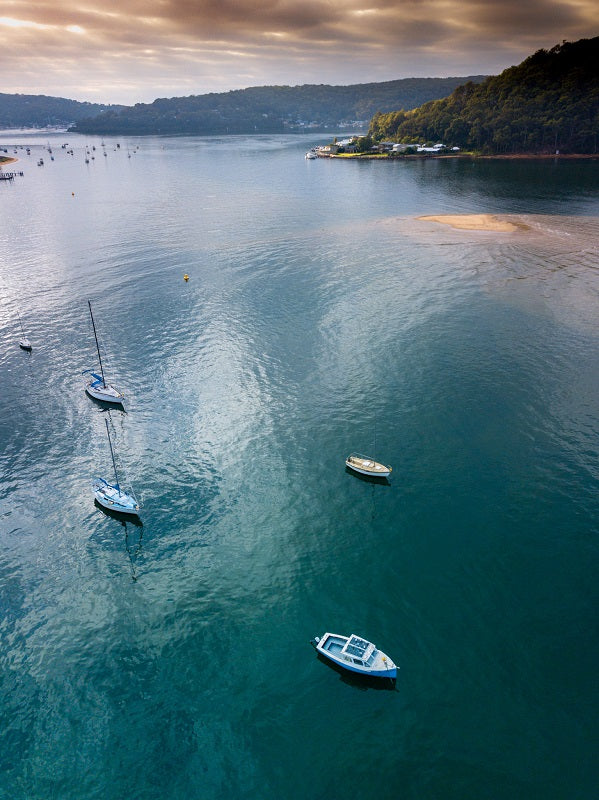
x=380, y=479
x=133, y=544
x=102, y=405
x=118, y=515
x=361, y=682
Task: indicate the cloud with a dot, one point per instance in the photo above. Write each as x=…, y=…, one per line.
x=136, y=50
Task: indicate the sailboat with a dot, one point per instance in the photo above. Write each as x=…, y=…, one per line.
x=110, y=495
x=97, y=387
x=24, y=342
x=365, y=465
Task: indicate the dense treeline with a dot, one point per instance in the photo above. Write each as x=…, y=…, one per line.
x=38, y=110
x=169, y=117
x=549, y=102
x=265, y=109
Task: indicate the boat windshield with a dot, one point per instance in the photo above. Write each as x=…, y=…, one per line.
x=370, y=659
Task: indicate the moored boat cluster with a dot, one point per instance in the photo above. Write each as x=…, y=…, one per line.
x=352, y=653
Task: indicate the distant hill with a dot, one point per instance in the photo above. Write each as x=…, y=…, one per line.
x=548, y=102
x=266, y=109
x=39, y=111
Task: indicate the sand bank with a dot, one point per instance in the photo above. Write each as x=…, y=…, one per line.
x=478, y=222
x=8, y=160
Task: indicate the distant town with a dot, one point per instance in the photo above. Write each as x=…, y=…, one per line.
x=362, y=146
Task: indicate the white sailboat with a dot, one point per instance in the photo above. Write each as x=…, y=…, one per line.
x=24, y=342
x=110, y=495
x=97, y=386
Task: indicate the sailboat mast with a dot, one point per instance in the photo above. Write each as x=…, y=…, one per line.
x=97, y=347
x=116, y=477
x=374, y=453
x=20, y=323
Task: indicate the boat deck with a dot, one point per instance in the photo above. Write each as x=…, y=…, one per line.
x=367, y=464
x=334, y=644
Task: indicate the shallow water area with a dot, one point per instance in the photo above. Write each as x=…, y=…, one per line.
x=321, y=317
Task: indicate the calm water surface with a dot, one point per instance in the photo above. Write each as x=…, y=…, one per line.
x=172, y=660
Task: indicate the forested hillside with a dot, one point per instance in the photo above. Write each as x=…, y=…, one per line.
x=39, y=111
x=549, y=102
x=265, y=109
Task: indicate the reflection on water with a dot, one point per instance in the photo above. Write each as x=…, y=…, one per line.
x=119, y=516
x=133, y=537
x=381, y=480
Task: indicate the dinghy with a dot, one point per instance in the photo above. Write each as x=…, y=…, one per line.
x=367, y=466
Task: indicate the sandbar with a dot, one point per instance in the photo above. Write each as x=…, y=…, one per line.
x=477, y=222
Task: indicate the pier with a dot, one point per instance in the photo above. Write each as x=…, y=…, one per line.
x=9, y=176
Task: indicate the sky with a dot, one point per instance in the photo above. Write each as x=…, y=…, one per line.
x=133, y=51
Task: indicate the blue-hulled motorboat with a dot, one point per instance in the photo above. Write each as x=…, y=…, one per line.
x=355, y=655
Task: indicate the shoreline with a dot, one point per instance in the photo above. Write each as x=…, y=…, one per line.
x=471, y=156
x=540, y=156
x=7, y=160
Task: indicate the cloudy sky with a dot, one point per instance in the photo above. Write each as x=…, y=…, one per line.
x=127, y=51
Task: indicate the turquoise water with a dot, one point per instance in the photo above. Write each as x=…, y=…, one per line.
x=172, y=659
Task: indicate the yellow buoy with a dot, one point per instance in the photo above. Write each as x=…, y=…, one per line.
x=186, y=277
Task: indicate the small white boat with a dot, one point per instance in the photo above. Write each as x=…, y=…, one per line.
x=24, y=342
x=367, y=466
x=110, y=495
x=310, y=155
x=355, y=654
x=97, y=386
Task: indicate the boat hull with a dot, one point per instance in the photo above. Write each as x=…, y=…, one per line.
x=107, y=394
x=390, y=673
x=25, y=344
x=118, y=515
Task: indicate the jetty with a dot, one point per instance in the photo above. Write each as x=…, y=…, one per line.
x=9, y=176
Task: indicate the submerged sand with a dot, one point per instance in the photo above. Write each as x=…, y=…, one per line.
x=478, y=222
